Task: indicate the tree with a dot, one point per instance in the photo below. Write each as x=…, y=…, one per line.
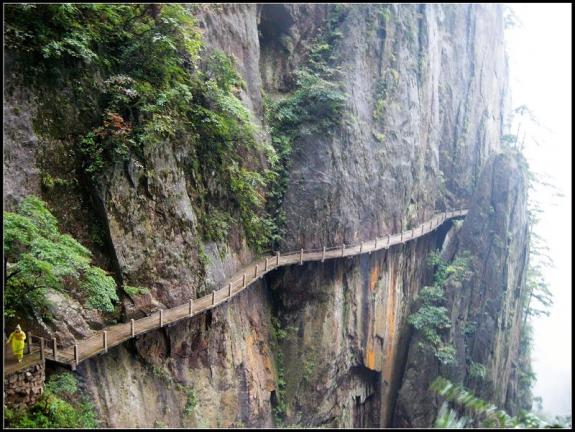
x=38, y=257
x=486, y=414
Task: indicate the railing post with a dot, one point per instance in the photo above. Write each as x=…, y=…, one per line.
x=29, y=344
x=401, y=238
x=230, y=287
x=388, y=239
x=213, y=298
x=266, y=265
x=342, y=248
x=277, y=258
x=412, y=232
x=42, y=348
x=54, y=349
x=105, y=334
x=422, y=225
x=375, y=245
x=323, y=255
x=256, y=272
x=76, y=355
x=244, y=281
x=133, y=327
x=301, y=256
x=361, y=247
x=161, y=318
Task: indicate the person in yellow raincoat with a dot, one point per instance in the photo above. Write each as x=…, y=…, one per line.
x=16, y=340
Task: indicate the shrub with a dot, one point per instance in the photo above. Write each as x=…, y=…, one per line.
x=154, y=90
x=191, y=401
x=39, y=257
x=432, y=317
x=133, y=291
x=59, y=407
x=477, y=370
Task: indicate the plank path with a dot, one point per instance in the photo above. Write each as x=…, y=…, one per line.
x=116, y=334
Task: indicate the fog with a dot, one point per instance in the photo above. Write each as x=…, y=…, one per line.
x=539, y=50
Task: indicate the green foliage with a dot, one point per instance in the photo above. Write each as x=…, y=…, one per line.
x=458, y=270
x=39, y=257
x=487, y=414
x=477, y=370
x=469, y=328
x=216, y=225
x=314, y=107
x=152, y=89
x=159, y=424
x=384, y=89
x=62, y=384
x=61, y=406
x=191, y=401
x=134, y=291
x=221, y=69
x=447, y=419
x=277, y=336
x=432, y=318
x=309, y=367
x=161, y=373
x=48, y=182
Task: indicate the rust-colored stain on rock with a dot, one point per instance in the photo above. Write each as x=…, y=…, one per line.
x=390, y=322
x=374, y=276
x=370, y=359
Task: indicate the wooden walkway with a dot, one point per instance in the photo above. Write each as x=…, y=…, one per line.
x=116, y=334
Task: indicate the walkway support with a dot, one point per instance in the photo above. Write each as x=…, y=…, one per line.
x=115, y=334
x=54, y=349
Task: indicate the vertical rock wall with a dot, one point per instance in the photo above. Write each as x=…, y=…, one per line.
x=393, y=160
x=486, y=311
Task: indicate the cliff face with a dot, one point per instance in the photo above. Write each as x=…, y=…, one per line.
x=486, y=310
x=425, y=90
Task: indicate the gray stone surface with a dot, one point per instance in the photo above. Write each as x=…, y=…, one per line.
x=446, y=69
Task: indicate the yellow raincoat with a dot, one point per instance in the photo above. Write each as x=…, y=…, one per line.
x=16, y=341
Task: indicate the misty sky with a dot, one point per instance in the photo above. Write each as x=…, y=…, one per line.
x=539, y=52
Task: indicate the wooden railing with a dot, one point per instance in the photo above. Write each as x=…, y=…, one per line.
x=119, y=333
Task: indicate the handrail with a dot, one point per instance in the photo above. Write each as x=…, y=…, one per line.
x=116, y=334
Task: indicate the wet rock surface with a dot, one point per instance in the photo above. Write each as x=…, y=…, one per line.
x=347, y=351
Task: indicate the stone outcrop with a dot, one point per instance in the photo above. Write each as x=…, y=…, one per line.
x=24, y=387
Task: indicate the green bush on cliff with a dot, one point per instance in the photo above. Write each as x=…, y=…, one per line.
x=138, y=84
x=477, y=370
x=61, y=406
x=39, y=257
x=432, y=317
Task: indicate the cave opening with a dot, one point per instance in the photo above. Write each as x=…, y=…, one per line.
x=275, y=21
x=274, y=26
